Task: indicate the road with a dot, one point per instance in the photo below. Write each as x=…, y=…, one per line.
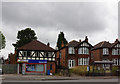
x=85, y=81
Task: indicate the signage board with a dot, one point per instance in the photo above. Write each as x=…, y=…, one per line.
x=37, y=61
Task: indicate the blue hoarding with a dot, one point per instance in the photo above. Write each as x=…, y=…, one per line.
x=37, y=61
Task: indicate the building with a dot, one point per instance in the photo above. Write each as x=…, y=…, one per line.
x=36, y=58
x=74, y=54
x=105, y=51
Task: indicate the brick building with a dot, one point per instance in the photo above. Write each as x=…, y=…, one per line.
x=105, y=51
x=36, y=58
x=11, y=59
x=74, y=54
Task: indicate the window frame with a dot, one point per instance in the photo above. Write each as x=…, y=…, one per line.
x=71, y=50
x=83, y=50
x=105, y=51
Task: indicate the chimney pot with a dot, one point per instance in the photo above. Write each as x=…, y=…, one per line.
x=80, y=40
x=86, y=38
x=48, y=44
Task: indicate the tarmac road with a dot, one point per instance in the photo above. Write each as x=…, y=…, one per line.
x=60, y=83
x=86, y=81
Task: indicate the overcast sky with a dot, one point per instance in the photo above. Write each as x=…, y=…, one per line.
x=97, y=20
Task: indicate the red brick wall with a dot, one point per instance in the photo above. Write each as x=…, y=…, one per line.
x=53, y=67
x=12, y=58
x=63, y=57
x=96, y=55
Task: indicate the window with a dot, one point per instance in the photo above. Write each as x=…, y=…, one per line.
x=50, y=66
x=71, y=63
x=118, y=45
x=60, y=54
x=49, y=54
x=83, y=61
x=83, y=50
x=85, y=44
x=116, y=61
x=28, y=53
x=71, y=50
x=34, y=67
x=105, y=51
x=37, y=54
x=115, y=51
x=24, y=53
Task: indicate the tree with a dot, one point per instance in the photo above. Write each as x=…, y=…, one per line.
x=24, y=37
x=61, y=39
x=2, y=41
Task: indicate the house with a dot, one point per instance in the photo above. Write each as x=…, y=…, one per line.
x=12, y=58
x=36, y=58
x=105, y=51
x=74, y=54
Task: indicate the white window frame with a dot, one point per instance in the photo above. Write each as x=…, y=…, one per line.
x=71, y=50
x=105, y=51
x=71, y=63
x=83, y=61
x=83, y=50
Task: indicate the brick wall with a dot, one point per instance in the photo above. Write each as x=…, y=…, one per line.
x=53, y=67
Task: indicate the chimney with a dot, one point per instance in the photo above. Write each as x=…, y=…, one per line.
x=86, y=39
x=116, y=40
x=80, y=40
x=48, y=44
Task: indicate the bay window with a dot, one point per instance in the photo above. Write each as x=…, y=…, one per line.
x=83, y=61
x=83, y=50
x=116, y=51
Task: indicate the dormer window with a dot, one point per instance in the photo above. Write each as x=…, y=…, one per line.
x=105, y=51
x=71, y=50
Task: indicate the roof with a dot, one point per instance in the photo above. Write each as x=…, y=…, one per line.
x=83, y=42
x=36, y=45
x=103, y=44
x=73, y=43
x=116, y=42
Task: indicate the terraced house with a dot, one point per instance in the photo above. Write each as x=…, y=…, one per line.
x=74, y=54
x=36, y=58
x=105, y=51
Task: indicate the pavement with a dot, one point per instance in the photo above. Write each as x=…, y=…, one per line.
x=20, y=77
x=45, y=79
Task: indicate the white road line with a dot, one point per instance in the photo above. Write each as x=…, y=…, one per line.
x=113, y=80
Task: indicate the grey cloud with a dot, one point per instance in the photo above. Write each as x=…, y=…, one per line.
x=75, y=19
x=72, y=16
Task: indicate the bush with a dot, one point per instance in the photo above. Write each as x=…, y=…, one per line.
x=80, y=70
x=114, y=69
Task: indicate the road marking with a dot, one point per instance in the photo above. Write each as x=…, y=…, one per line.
x=113, y=80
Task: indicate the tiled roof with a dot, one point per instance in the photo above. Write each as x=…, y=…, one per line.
x=73, y=43
x=103, y=44
x=36, y=45
x=116, y=42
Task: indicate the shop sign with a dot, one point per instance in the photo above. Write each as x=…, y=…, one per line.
x=37, y=61
x=22, y=61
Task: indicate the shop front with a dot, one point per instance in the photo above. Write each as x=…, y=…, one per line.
x=32, y=66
